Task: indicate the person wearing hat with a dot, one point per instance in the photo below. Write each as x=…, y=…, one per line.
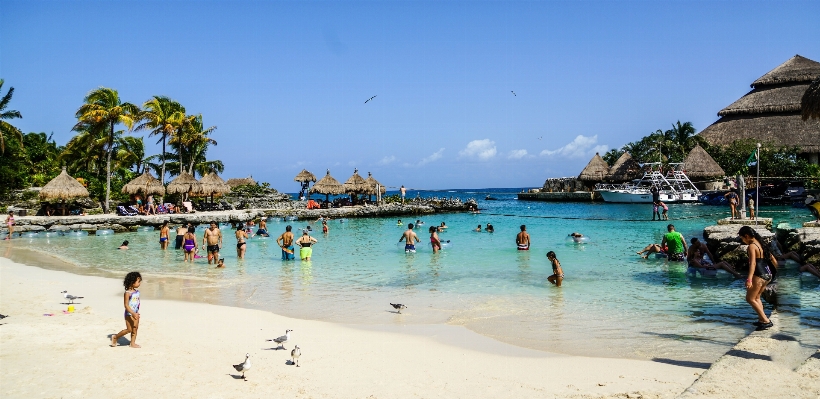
x=305, y=243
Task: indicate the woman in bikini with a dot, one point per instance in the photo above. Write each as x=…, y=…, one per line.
x=557, y=272
x=760, y=274
x=241, y=245
x=10, y=224
x=305, y=243
x=434, y=240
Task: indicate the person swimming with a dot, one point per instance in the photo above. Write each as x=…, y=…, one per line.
x=489, y=228
x=124, y=245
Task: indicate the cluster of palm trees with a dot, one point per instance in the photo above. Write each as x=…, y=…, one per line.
x=671, y=145
x=98, y=138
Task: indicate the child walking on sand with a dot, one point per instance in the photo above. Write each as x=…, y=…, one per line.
x=131, y=301
x=557, y=273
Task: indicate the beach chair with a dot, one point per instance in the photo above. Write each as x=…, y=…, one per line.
x=225, y=206
x=189, y=207
x=132, y=210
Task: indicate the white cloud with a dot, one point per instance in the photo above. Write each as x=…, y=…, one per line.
x=517, y=154
x=581, y=147
x=432, y=158
x=484, y=150
x=387, y=160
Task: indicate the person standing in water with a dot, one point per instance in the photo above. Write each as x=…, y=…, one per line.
x=656, y=197
x=164, y=232
x=285, y=242
x=189, y=245
x=305, y=243
x=241, y=245
x=181, y=230
x=131, y=301
x=434, y=240
x=263, y=228
x=325, y=229
x=676, y=244
x=522, y=240
x=410, y=239
x=10, y=224
x=557, y=272
x=212, y=241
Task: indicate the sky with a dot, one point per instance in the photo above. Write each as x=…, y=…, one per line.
x=468, y=94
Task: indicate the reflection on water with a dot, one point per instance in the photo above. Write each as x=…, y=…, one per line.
x=612, y=303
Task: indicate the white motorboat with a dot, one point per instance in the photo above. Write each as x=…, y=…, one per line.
x=673, y=187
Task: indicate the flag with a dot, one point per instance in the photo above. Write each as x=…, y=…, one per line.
x=752, y=160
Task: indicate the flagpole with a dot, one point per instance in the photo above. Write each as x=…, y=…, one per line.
x=757, y=182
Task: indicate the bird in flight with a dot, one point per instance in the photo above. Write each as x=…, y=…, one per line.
x=540, y=137
x=368, y=100
x=513, y=93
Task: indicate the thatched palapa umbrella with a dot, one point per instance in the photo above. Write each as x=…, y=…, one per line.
x=327, y=186
x=245, y=181
x=375, y=183
x=810, y=103
x=625, y=168
x=145, y=184
x=357, y=185
x=596, y=170
x=185, y=183
x=700, y=164
x=212, y=184
x=305, y=178
x=63, y=187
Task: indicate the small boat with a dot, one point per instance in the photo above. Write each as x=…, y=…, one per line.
x=490, y=198
x=674, y=186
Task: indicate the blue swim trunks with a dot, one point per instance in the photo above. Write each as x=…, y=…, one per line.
x=409, y=248
x=288, y=255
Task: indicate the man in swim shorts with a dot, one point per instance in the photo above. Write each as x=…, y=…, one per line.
x=410, y=239
x=285, y=242
x=676, y=244
x=181, y=230
x=522, y=240
x=212, y=240
x=403, y=193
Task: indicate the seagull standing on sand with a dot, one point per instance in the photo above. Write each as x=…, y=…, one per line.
x=398, y=307
x=281, y=340
x=368, y=100
x=70, y=297
x=294, y=355
x=244, y=366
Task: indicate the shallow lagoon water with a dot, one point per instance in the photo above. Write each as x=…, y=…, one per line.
x=612, y=303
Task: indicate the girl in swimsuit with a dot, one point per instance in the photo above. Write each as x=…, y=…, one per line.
x=10, y=224
x=434, y=240
x=557, y=272
x=131, y=301
x=189, y=244
x=759, y=274
x=324, y=226
x=241, y=245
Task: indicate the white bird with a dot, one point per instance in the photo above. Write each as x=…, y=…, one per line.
x=70, y=297
x=398, y=306
x=294, y=355
x=244, y=366
x=281, y=340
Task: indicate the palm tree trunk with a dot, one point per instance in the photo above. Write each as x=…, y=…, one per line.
x=162, y=177
x=108, y=168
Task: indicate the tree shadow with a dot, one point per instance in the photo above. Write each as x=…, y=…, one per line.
x=747, y=355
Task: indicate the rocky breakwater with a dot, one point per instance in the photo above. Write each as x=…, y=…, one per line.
x=803, y=240
x=725, y=244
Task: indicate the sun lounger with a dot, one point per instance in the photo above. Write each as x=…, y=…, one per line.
x=122, y=211
x=189, y=207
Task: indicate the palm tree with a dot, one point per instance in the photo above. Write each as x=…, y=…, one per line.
x=131, y=153
x=192, y=139
x=5, y=127
x=85, y=150
x=103, y=109
x=683, y=137
x=163, y=116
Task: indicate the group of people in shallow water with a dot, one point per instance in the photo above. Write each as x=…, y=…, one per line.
x=762, y=268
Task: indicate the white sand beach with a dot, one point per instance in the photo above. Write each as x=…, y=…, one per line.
x=188, y=349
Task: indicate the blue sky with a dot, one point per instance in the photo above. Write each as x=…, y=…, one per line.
x=285, y=82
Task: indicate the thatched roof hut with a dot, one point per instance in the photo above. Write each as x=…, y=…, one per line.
x=625, y=168
x=810, y=102
x=327, y=186
x=144, y=184
x=771, y=112
x=373, y=183
x=596, y=169
x=212, y=184
x=184, y=183
x=357, y=185
x=244, y=181
x=304, y=176
x=63, y=187
x=700, y=164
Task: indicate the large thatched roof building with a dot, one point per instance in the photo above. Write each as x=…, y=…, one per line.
x=771, y=112
x=595, y=171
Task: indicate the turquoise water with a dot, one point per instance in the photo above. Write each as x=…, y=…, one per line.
x=612, y=303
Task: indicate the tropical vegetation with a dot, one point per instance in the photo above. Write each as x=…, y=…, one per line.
x=103, y=153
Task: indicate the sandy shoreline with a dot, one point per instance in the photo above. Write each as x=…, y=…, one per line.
x=188, y=350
